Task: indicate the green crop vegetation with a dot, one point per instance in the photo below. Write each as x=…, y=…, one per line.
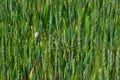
x=79, y=40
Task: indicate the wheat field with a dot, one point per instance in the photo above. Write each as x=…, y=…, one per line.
x=75, y=40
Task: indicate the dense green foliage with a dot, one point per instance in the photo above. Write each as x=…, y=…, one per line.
x=79, y=40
